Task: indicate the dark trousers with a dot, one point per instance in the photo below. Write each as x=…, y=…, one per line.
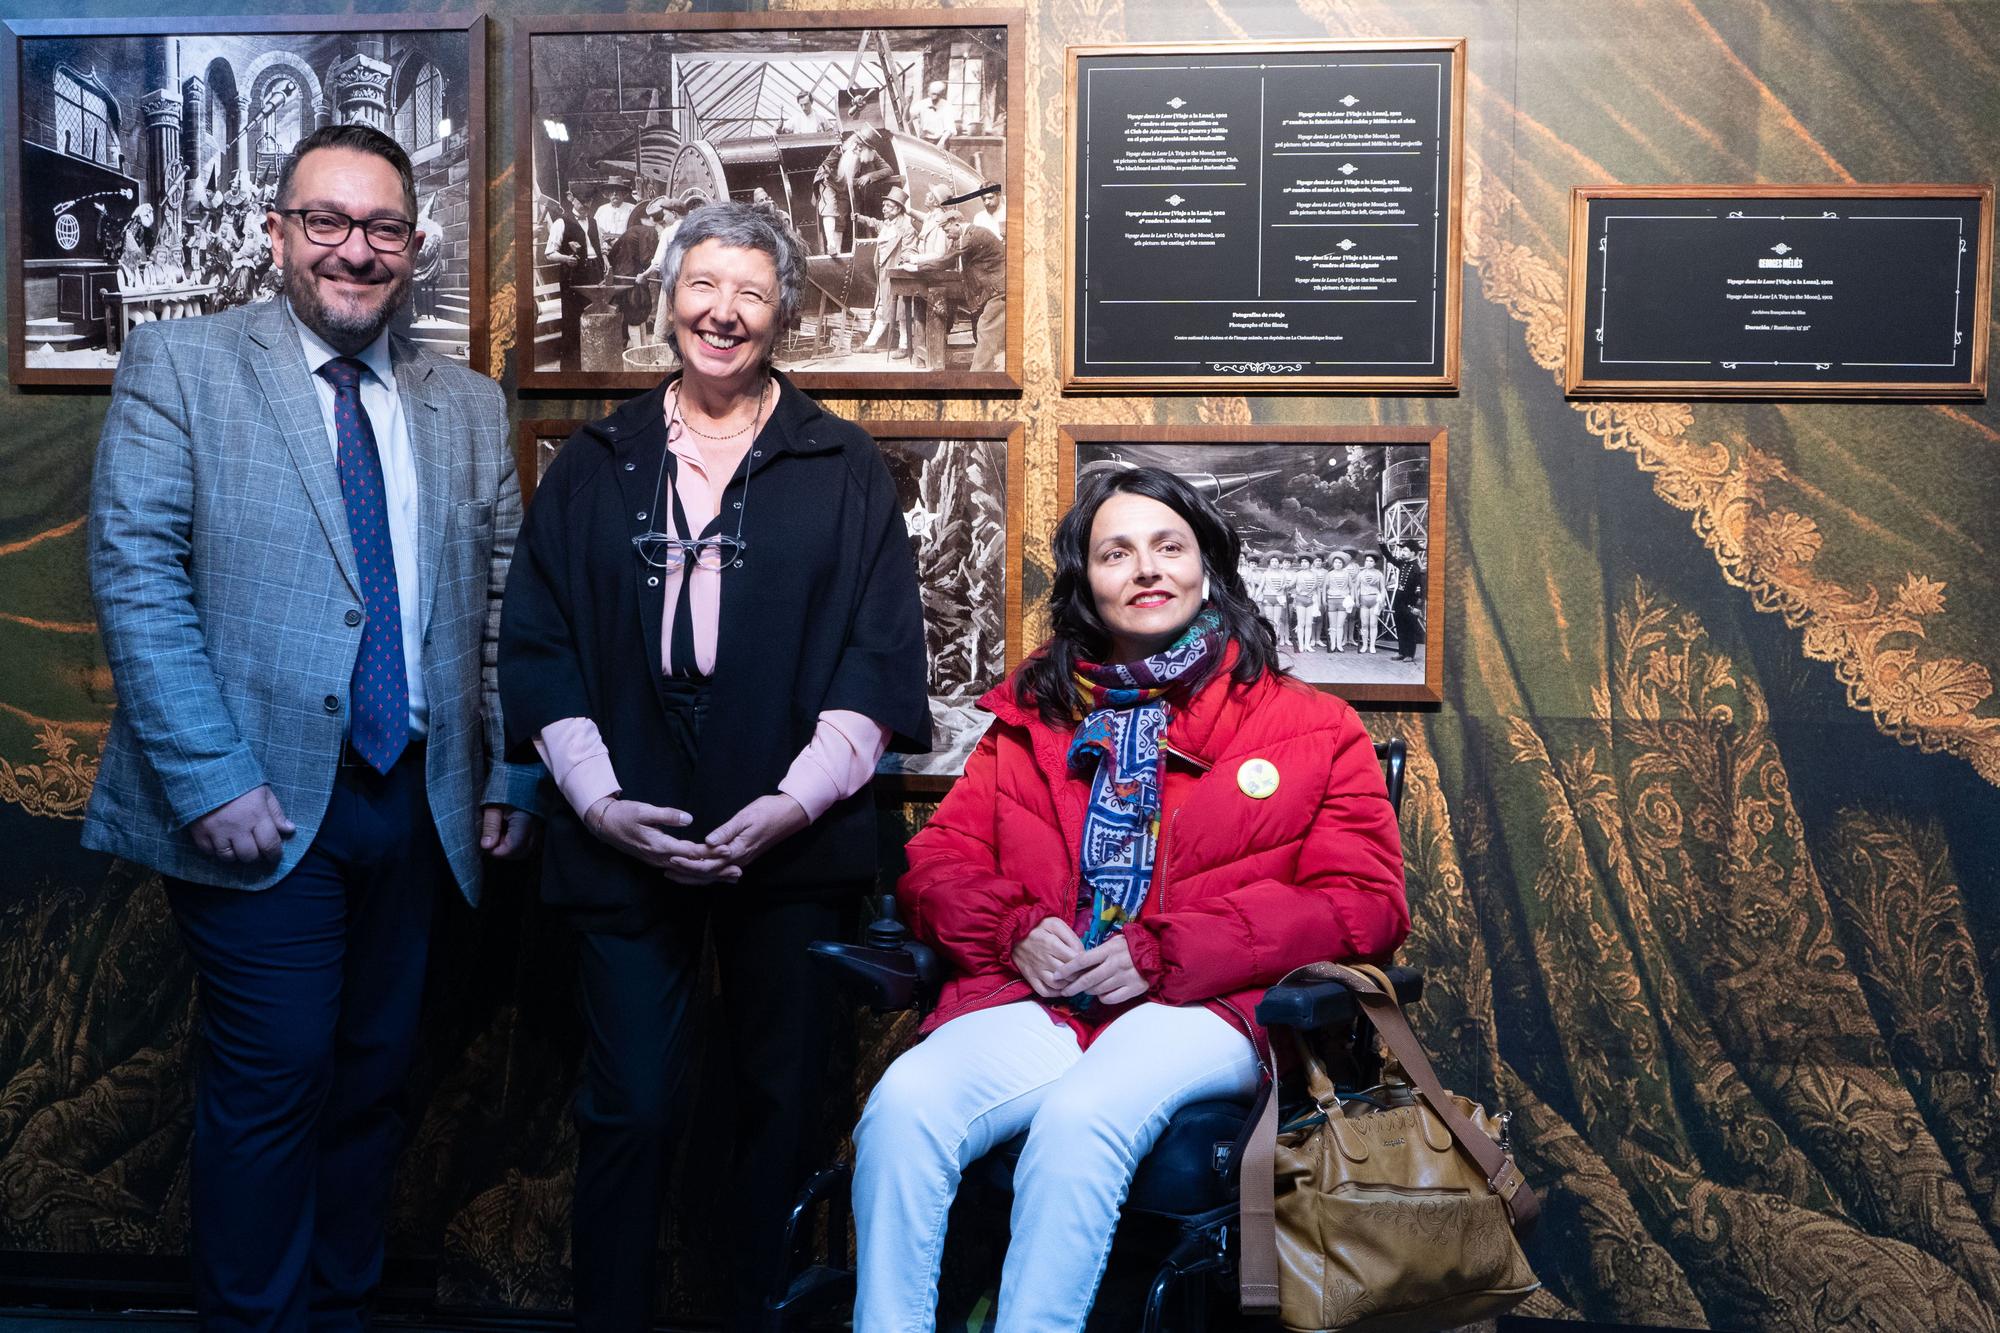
x=570, y=348
x=310, y=992
x=637, y=993
x=1404, y=616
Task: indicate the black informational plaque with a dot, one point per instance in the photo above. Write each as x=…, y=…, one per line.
x=1263, y=217
x=1869, y=291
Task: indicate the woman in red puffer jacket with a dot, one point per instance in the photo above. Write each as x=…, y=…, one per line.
x=1158, y=825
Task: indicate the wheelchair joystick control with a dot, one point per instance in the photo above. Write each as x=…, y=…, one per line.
x=886, y=931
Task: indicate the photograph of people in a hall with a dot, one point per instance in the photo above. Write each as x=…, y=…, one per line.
x=1337, y=546
x=954, y=494
x=885, y=146
x=148, y=163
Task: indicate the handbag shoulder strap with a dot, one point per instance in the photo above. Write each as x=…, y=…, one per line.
x=1257, y=1210
x=1372, y=987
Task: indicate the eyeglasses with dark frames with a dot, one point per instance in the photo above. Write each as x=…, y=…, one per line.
x=323, y=226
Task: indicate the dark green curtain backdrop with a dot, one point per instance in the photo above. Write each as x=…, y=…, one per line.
x=1703, y=841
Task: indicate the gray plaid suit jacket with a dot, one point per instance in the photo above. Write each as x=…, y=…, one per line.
x=224, y=581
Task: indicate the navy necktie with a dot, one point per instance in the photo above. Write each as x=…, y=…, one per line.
x=379, y=700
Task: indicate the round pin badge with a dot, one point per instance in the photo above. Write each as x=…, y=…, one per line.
x=1258, y=778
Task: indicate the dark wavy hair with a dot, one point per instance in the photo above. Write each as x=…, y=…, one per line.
x=1044, y=682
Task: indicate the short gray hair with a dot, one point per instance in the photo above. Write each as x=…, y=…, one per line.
x=743, y=227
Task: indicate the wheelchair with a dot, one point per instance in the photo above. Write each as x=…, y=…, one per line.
x=1184, y=1191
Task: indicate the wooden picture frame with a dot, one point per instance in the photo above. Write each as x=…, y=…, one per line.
x=535, y=443
x=684, y=108
x=1779, y=291
x=1342, y=277
x=970, y=540
x=1296, y=492
x=106, y=227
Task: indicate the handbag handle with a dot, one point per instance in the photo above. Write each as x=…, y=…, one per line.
x=1257, y=1226
x=1372, y=987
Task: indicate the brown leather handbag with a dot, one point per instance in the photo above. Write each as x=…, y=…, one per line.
x=1394, y=1212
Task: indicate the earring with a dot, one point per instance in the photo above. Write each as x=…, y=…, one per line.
x=1204, y=587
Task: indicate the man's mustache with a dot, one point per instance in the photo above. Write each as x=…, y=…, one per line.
x=340, y=268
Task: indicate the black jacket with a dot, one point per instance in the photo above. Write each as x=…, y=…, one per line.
x=823, y=613
x=982, y=257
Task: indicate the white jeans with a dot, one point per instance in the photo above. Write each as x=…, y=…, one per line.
x=1090, y=1116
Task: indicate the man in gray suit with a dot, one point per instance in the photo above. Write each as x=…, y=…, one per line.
x=300, y=529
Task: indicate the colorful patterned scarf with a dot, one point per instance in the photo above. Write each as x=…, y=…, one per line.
x=1121, y=733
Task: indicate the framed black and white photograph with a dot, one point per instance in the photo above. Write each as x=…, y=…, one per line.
x=143, y=154
x=881, y=138
x=961, y=491
x=1343, y=538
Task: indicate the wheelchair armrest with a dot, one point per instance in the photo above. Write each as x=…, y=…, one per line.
x=885, y=978
x=1317, y=1003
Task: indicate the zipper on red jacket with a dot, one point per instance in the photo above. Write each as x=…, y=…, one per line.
x=1017, y=981
x=966, y=1006
x=1266, y=1055
x=1160, y=871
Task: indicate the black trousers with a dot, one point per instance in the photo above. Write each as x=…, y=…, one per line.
x=1404, y=616
x=570, y=348
x=640, y=1008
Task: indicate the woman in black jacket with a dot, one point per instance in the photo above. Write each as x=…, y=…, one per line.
x=712, y=631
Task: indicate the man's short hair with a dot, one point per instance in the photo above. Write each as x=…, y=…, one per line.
x=355, y=139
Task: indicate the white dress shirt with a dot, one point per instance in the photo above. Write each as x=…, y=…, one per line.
x=613, y=218
x=559, y=231
x=384, y=407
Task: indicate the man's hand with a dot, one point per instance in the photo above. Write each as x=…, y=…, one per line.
x=247, y=830
x=507, y=834
x=640, y=831
x=1045, y=955
x=1105, y=973
x=756, y=828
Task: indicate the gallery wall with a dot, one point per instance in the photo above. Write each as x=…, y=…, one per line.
x=1702, y=839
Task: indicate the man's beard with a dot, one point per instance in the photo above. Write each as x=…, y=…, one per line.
x=344, y=331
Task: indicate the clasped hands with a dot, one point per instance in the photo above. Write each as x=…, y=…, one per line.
x=1054, y=963
x=645, y=833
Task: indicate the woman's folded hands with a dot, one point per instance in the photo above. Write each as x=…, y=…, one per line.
x=1054, y=963
x=646, y=833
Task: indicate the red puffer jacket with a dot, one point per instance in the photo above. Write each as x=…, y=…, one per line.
x=1244, y=889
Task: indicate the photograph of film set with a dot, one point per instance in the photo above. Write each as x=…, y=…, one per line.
x=885, y=148
x=148, y=163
